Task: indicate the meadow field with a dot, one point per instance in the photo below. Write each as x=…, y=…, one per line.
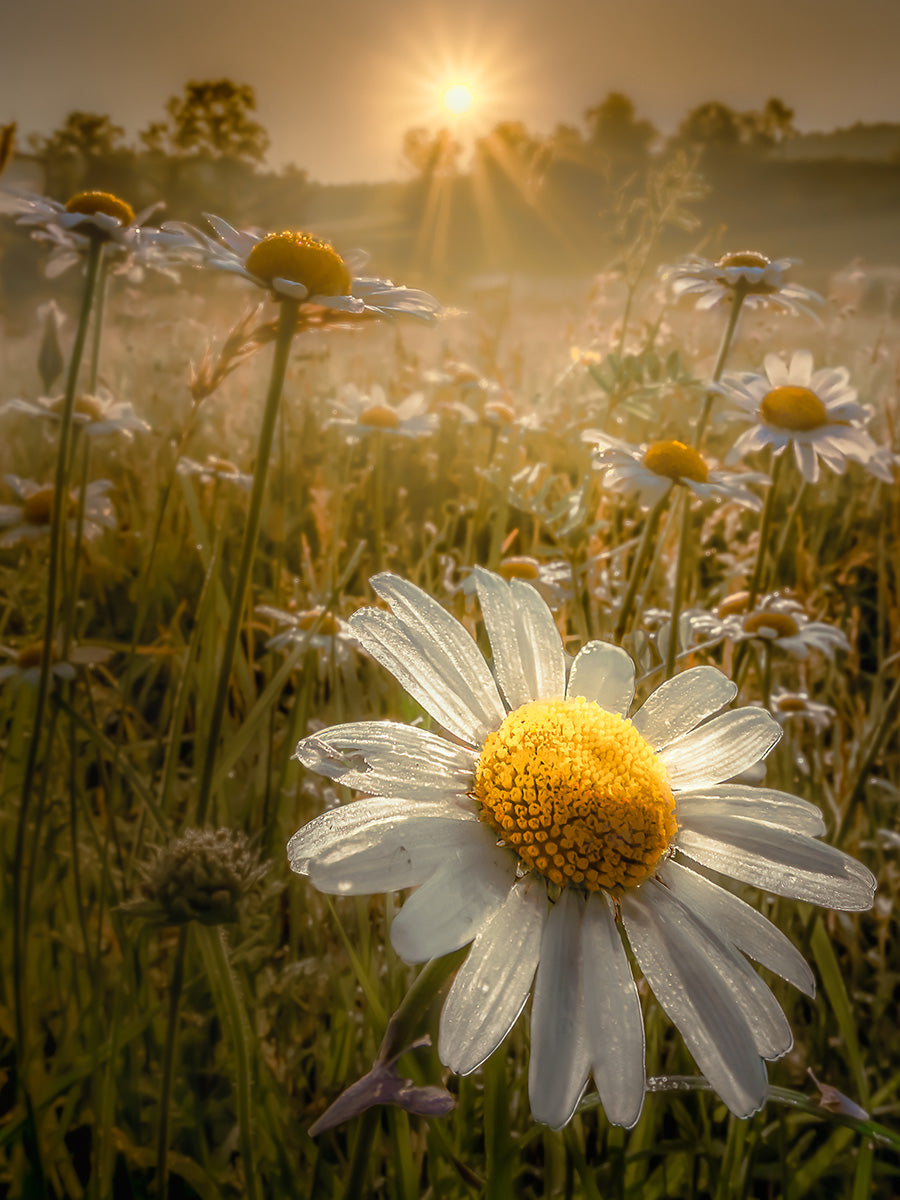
x=184, y=537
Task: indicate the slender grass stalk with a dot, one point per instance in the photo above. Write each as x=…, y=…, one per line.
x=640, y=562
x=678, y=591
x=168, y=1066
x=287, y=319
x=737, y=303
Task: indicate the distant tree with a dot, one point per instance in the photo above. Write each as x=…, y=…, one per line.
x=712, y=126
x=771, y=127
x=429, y=154
x=213, y=119
x=83, y=152
x=615, y=131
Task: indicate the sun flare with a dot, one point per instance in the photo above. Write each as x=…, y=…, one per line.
x=458, y=98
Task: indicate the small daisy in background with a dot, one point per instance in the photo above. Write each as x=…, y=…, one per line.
x=214, y=470
x=650, y=472
x=781, y=622
x=549, y=827
x=69, y=228
x=797, y=707
x=758, y=280
x=816, y=413
x=24, y=665
x=360, y=413
x=323, y=633
x=30, y=519
x=299, y=266
x=95, y=415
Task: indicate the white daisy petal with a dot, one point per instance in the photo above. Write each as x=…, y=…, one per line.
x=560, y=1059
x=492, y=985
x=758, y=803
x=779, y=861
x=449, y=909
x=744, y=926
x=613, y=1017
x=392, y=854
x=720, y=749
x=675, y=963
x=681, y=703
x=801, y=368
x=505, y=627
x=542, y=636
x=390, y=759
x=605, y=674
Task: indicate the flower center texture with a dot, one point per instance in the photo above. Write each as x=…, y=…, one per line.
x=782, y=623
x=301, y=258
x=328, y=624
x=37, y=509
x=794, y=408
x=91, y=203
x=744, y=258
x=577, y=793
x=382, y=416
x=30, y=656
x=675, y=461
x=519, y=566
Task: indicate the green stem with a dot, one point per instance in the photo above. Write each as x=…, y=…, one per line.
x=168, y=1064
x=758, y=579
x=640, y=562
x=886, y=724
x=737, y=302
x=58, y=519
x=287, y=318
x=680, y=581
x=225, y=988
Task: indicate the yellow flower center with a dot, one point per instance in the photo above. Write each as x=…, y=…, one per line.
x=675, y=461
x=301, y=258
x=794, y=408
x=733, y=604
x=38, y=507
x=30, y=656
x=744, y=258
x=791, y=704
x=328, y=624
x=91, y=203
x=782, y=623
x=382, y=416
x=500, y=412
x=577, y=793
x=519, y=566
x=85, y=406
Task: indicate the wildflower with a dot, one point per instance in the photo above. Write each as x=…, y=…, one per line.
x=788, y=707
x=815, y=413
x=204, y=875
x=214, y=470
x=756, y=278
x=782, y=622
x=551, y=828
x=30, y=520
x=363, y=413
x=649, y=472
x=95, y=415
x=299, y=266
x=25, y=664
x=322, y=632
x=69, y=228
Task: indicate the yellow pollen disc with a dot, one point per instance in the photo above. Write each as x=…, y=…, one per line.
x=783, y=623
x=744, y=258
x=794, y=408
x=382, y=416
x=37, y=509
x=519, y=566
x=85, y=406
x=30, y=656
x=500, y=411
x=733, y=604
x=675, y=461
x=91, y=203
x=301, y=258
x=791, y=704
x=328, y=625
x=577, y=793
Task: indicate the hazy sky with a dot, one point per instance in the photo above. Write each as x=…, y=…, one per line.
x=338, y=81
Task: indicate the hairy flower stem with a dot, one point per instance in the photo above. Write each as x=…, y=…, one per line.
x=640, y=563
x=758, y=578
x=168, y=1066
x=737, y=302
x=287, y=319
x=58, y=519
x=399, y=1033
x=680, y=580
x=225, y=989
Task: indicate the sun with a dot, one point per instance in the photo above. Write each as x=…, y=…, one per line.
x=458, y=98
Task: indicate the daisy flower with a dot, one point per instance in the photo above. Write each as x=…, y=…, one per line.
x=650, y=472
x=299, y=266
x=758, y=279
x=315, y=628
x=95, y=415
x=361, y=413
x=24, y=666
x=214, y=470
x=30, y=520
x=70, y=227
x=782, y=622
x=552, y=832
x=814, y=412
x=788, y=707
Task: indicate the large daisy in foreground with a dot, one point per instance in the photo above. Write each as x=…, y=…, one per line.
x=552, y=830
